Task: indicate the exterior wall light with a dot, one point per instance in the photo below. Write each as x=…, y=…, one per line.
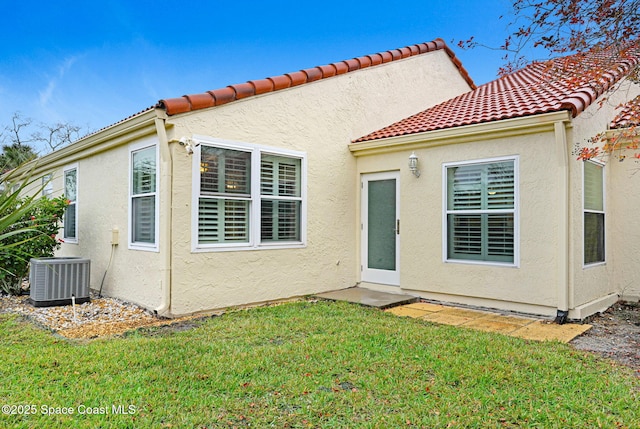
x=413, y=164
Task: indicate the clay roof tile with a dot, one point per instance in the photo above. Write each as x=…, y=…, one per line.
x=280, y=82
x=223, y=95
x=629, y=115
x=313, y=74
x=239, y=91
x=541, y=87
x=262, y=86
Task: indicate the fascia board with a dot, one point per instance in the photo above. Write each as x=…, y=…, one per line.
x=123, y=132
x=464, y=134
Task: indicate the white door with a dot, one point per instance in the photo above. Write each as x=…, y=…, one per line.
x=381, y=228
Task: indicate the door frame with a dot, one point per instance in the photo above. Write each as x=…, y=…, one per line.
x=373, y=275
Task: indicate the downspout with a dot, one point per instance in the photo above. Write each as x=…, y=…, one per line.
x=564, y=223
x=166, y=186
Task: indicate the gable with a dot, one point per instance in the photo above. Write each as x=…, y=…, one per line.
x=217, y=97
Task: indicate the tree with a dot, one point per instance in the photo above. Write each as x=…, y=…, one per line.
x=607, y=29
x=15, y=155
x=57, y=135
x=561, y=27
x=21, y=134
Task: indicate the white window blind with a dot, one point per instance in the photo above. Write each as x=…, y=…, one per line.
x=236, y=209
x=143, y=195
x=481, y=211
x=281, y=198
x=225, y=196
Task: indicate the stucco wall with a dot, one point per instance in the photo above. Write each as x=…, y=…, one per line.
x=619, y=274
x=321, y=119
x=102, y=205
x=530, y=287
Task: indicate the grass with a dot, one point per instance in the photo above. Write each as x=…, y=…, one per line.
x=308, y=365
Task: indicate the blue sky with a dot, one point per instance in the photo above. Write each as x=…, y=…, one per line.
x=94, y=63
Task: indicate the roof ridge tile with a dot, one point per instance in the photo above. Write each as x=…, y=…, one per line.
x=217, y=97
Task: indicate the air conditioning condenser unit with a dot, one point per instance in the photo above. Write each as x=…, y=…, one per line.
x=55, y=281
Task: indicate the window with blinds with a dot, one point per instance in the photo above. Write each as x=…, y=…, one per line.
x=281, y=198
x=70, y=223
x=143, y=196
x=225, y=196
x=237, y=209
x=481, y=211
x=594, y=245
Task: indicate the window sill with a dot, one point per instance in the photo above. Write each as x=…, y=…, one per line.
x=150, y=248
x=593, y=265
x=241, y=248
x=486, y=263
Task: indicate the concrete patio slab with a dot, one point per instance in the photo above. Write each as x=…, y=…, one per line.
x=512, y=320
x=370, y=298
x=488, y=325
x=529, y=328
x=462, y=312
x=447, y=319
x=425, y=306
x=545, y=331
x=407, y=311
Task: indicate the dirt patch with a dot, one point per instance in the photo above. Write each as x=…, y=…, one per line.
x=615, y=334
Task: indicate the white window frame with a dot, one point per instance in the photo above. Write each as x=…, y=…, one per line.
x=71, y=167
x=135, y=245
x=254, y=242
x=516, y=211
x=603, y=212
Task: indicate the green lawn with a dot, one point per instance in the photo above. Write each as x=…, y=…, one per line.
x=306, y=364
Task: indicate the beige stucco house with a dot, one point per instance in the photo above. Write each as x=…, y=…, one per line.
x=300, y=183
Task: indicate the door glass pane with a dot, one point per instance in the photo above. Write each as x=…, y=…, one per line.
x=382, y=224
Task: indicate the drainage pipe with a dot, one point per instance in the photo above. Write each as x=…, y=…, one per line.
x=166, y=199
x=564, y=273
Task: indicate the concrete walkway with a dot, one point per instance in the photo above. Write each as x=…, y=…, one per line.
x=530, y=328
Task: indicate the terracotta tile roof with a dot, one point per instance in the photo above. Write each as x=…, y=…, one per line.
x=629, y=115
x=189, y=103
x=567, y=83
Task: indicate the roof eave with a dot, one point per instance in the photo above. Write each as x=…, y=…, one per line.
x=463, y=134
x=132, y=128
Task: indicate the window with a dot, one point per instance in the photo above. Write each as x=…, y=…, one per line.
x=248, y=196
x=594, y=250
x=47, y=186
x=281, y=199
x=481, y=216
x=70, y=218
x=143, y=198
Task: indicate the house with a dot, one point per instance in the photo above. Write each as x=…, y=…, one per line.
x=503, y=215
x=300, y=183
x=243, y=194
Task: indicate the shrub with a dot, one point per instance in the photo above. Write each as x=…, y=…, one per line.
x=31, y=234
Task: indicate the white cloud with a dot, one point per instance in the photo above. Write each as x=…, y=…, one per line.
x=46, y=94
